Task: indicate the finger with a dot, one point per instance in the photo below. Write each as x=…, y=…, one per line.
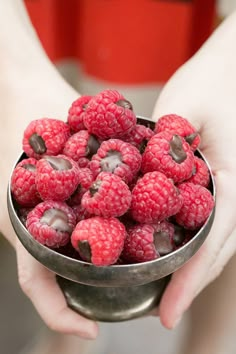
x=39, y=284
x=178, y=102
x=185, y=282
x=225, y=254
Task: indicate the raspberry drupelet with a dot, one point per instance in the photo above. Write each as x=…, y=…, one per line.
x=45, y=136
x=201, y=174
x=23, y=213
x=85, y=179
x=170, y=154
x=117, y=157
x=99, y=240
x=76, y=113
x=51, y=223
x=109, y=196
x=180, y=126
x=198, y=203
x=80, y=213
x=139, y=136
x=57, y=177
x=154, y=198
x=109, y=115
x=23, y=185
x=81, y=146
x=145, y=242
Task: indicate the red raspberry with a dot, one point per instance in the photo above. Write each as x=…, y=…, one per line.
x=85, y=179
x=23, y=213
x=180, y=235
x=108, y=196
x=76, y=113
x=164, y=237
x=109, y=115
x=118, y=157
x=180, y=126
x=69, y=251
x=170, y=154
x=139, y=136
x=81, y=147
x=51, y=223
x=201, y=174
x=45, y=136
x=139, y=244
x=80, y=213
x=189, y=234
x=146, y=242
x=99, y=240
x=198, y=203
x=154, y=198
x=132, y=184
x=23, y=185
x=57, y=177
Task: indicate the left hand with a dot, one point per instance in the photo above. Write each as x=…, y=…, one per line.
x=205, y=94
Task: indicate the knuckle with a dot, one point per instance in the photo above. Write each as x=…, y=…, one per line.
x=25, y=280
x=53, y=325
x=216, y=272
x=212, y=251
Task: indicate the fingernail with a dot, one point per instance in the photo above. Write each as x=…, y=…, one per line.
x=91, y=334
x=177, y=321
x=87, y=335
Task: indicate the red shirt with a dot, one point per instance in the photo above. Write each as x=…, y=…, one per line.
x=123, y=41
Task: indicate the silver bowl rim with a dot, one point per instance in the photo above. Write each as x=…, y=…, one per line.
x=114, y=266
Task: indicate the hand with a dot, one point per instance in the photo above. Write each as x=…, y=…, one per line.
x=23, y=99
x=203, y=91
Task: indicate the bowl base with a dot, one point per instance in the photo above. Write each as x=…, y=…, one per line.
x=112, y=304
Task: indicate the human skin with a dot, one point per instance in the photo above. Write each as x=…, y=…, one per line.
x=30, y=88
x=203, y=90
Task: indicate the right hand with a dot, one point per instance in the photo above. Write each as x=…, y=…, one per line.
x=23, y=99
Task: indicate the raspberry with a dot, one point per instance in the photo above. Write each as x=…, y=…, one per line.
x=146, y=242
x=81, y=147
x=85, y=179
x=198, y=203
x=132, y=184
x=23, y=213
x=99, y=240
x=139, y=244
x=139, y=136
x=45, y=136
x=118, y=157
x=154, y=198
x=189, y=234
x=57, y=177
x=80, y=213
x=109, y=115
x=51, y=223
x=201, y=174
x=164, y=237
x=179, y=235
x=68, y=251
x=108, y=196
x=170, y=154
x=76, y=113
x=180, y=126
x=23, y=185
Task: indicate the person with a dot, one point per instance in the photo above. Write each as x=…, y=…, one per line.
x=202, y=89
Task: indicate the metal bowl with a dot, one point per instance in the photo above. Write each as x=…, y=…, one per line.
x=111, y=293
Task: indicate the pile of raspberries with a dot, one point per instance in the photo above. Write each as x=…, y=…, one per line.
x=113, y=190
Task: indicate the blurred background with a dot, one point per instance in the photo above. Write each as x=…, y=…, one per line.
x=21, y=329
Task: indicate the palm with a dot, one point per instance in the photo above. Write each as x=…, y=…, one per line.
x=203, y=106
